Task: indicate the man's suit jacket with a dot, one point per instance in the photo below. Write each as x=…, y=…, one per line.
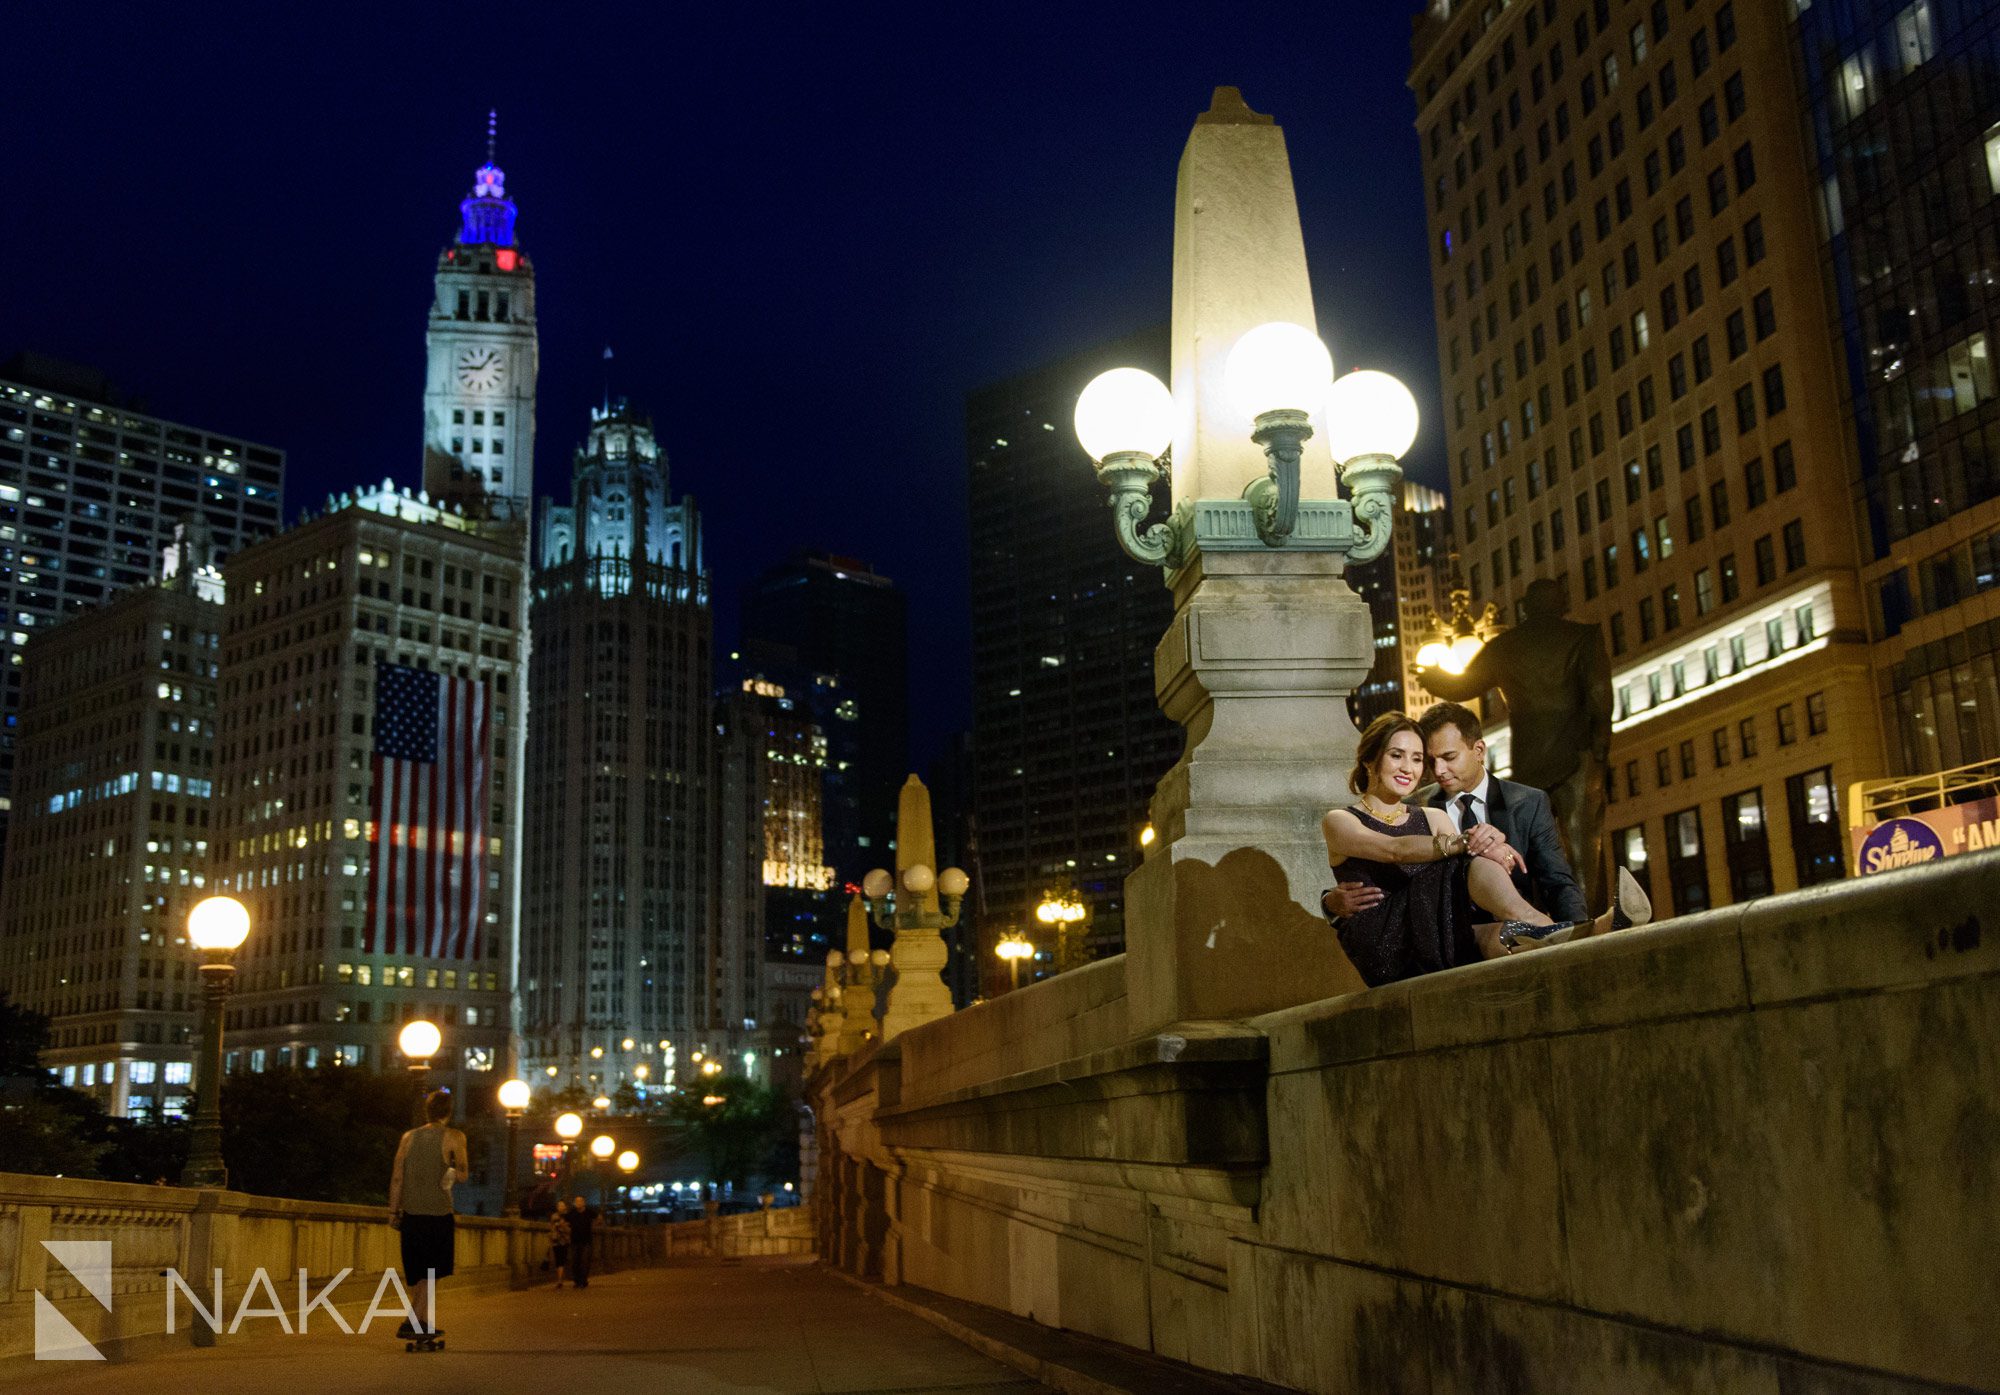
x=1523, y=814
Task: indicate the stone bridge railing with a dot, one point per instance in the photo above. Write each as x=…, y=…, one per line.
x=1750, y=1150
x=196, y=1233
x=780, y=1230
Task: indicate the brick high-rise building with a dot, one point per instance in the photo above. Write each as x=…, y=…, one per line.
x=380, y=578
x=112, y=837
x=1644, y=402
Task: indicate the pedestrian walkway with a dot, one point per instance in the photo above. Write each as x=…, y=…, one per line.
x=733, y=1328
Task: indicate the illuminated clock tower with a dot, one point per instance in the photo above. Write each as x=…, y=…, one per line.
x=479, y=393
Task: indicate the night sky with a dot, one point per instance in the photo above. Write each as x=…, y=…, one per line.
x=805, y=232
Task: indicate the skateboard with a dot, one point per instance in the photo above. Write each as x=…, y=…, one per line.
x=425, y=1341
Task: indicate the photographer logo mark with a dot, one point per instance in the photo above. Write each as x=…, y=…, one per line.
x=89, y=1263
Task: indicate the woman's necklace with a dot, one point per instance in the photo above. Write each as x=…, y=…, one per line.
x=1394, y=815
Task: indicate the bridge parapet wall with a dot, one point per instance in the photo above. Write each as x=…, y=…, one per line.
x=197, y=1232
x=1756, y=1149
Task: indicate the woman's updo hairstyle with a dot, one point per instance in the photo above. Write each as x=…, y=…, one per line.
x=1374, y=742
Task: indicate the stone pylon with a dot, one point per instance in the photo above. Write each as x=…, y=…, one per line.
x=1266, y=643
x=861, y=978
x=918, y=992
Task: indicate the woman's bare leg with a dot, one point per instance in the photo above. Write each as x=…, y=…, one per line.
x=1493, y=890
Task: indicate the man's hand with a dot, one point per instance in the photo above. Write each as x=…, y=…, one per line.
x=1349, y=898
x=1484, y=840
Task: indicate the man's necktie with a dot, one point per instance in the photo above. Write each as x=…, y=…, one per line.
x=1466, y=822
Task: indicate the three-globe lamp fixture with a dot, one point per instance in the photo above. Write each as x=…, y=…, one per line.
x=1280, y=376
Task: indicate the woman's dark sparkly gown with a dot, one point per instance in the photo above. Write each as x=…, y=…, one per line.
x=1425, y=920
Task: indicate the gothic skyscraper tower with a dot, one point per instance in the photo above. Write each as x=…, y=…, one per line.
x=479, y=391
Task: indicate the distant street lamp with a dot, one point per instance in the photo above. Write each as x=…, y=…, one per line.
x=217, y=927
x=568, y=1128
x=603, y=1146
x=514, y=1096
x=1014, y=948
x=420, y=1041
x=918, y=904
x=1068, y=914
x=628, y=1163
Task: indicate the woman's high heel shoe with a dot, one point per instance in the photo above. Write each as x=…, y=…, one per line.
x=1519, y=934
x=1631, y=906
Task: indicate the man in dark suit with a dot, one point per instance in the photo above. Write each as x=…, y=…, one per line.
x=1471, y=795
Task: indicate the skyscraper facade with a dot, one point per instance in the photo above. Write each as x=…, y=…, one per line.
x=1643, y=404
x=484, y=357
x=316, y=621
x=1404, y=588
x=1902, y=118
x=112, y=840
x=90, y=493
x=834, y=633
x=1068, y=738
x=617, y=910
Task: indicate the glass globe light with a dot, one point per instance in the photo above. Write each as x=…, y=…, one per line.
x=1463, y=650
x=877, y=884
x=514, y=1094
x=1277, y=367
x=218, y=923
x=1369, y=413
x=1125, y=410
x=628, y=1161
x=1433, y=654
x=835, y=958
x=857, y=956
x=568, y=1126
x=918, y=878
x=952, y=882
x=603, y=1146
x=420, y=1040
x=601, y=1103
x=641, y=1071
x=879, y=958
x=1046, y=913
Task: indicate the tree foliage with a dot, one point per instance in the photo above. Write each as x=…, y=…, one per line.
x=743, y=1134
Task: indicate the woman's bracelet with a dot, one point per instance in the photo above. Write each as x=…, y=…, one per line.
x=1450, y=844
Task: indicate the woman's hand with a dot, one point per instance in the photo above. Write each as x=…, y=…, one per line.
x=1484, y=840
x=1349, y=898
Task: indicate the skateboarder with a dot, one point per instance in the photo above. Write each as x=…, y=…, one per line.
x=428, y=1161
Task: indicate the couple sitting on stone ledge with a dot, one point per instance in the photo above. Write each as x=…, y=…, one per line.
x=1431, y=883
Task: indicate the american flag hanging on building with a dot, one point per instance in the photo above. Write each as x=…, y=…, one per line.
x=427, y=860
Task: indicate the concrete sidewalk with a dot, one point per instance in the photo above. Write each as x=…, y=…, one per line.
x=686, y=1329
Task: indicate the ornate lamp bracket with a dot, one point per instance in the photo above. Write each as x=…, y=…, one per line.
x=1274, y=499
x=1371, y=482
x=1128, y=477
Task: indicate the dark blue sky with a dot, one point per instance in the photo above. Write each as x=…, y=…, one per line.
x=806, y=231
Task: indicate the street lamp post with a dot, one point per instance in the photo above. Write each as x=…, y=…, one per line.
x=917, y=904
x=568, y=1127
x=217, y=927
x=514, y=1096
x=1068, y=914
x=628, y=1163
x=1014, y=948
x=601, y=1149
x=419, y=1041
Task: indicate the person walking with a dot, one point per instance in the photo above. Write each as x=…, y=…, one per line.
x=559, y=1240
x=429, y=1160
x=582, y=1218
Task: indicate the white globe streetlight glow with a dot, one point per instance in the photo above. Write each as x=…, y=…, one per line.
x=1125, y=411
x=514, y=1094
x=420, y=1040
x=1369, y=413
x=1463, y=650
x=952, y=882
x=1433, y=654
x=1277, y=367
x=918, y=878
x=603, y=1146
x=601, y=1103
x=568, y=1126
x=877, y=884
x=628, y=1161
x=218, y=924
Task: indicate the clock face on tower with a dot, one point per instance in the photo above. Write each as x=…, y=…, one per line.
x=480, y=369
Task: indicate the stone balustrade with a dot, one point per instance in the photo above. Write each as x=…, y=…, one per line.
x=1756, y=1149
x=777, y=1230
x=195, y=1233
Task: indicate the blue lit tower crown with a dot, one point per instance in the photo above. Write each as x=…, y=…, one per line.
x=479, y=390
